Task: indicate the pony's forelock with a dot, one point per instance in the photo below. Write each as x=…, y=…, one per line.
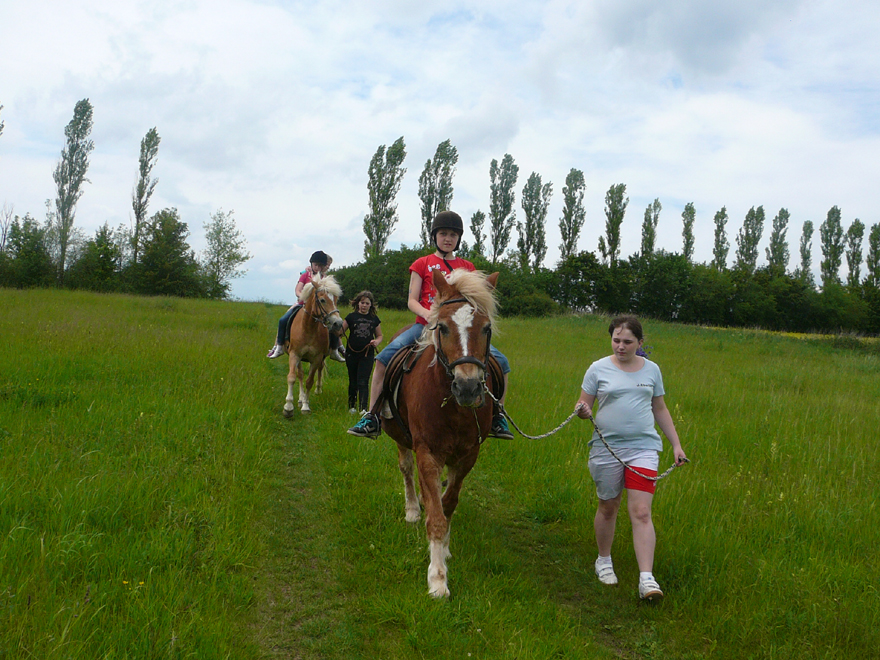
x=326, y=283
x=467, y=284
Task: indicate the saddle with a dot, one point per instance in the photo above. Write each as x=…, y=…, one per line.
x=401, y=364
x=296, y=310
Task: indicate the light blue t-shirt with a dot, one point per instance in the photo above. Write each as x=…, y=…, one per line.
x=624, y=413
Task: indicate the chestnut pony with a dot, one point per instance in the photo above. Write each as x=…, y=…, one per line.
x=443, y=403
x=310, y=338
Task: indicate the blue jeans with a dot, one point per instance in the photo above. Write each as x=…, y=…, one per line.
x=411, y=335
x=282, y=329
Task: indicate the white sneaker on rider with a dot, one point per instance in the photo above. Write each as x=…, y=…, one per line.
x=337, y=355
x=276, y=351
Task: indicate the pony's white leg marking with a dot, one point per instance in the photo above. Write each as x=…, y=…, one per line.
x=437, y=585
x=288, y=402
x=304, y=391
x=412, y=499
x=463, y=318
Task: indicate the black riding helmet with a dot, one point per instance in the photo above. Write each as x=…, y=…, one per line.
x=447, y=220
x=319, y=258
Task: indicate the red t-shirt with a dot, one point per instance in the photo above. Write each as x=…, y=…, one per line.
x=423, y=267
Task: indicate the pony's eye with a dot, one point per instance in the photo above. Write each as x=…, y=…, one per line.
x=487, y=329
x=444, y=329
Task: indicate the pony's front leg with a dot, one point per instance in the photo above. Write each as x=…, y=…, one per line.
x=292, y=376
x=405, y=463
x=435, y=523
x=455, y=475
x=304, y=389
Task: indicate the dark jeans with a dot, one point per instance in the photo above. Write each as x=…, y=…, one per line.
x=360, y=366
x=282, y=329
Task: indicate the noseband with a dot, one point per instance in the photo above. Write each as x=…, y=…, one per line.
x=466, y=359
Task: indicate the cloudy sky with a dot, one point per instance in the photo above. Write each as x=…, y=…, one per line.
x=273, y=109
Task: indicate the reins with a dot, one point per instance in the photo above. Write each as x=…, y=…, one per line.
x=598, y=432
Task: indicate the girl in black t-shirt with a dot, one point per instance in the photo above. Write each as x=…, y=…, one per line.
x=364, y=335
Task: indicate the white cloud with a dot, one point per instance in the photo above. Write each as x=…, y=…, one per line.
x=274, y=109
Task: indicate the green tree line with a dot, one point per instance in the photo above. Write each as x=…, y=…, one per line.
x=152, y=257
x=654, y=283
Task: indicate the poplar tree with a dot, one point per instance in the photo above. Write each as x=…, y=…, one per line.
x=777, y=254
x=649, y=227
x=722, y=245
x=502, y=197
x=615, y=209
x=532, y=242
x=143, y=189
x=854, y=236
x=805, y=270
x=385, y=174
x=573, y=213
x=435, y=186
x=748, y=238
x=687, y=232
x=872, y=259
x=478, y=219
x=69, y=176
x=831, y=237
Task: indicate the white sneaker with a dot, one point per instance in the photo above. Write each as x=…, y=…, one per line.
x=650, y=590
x=352, y=411
x=337, y=355
x=276, y=351
x=605, y=573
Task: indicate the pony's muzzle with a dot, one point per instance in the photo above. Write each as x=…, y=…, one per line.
x=334, y=324
x=468, y=390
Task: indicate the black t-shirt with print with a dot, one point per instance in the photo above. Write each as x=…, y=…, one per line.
x=361, y=330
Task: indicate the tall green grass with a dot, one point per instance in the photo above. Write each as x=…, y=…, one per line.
x=154, y=503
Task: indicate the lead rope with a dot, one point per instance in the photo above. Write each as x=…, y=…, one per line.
x=598, y=432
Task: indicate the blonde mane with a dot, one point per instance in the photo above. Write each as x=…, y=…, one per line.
x=471, y=285
x=327, y=284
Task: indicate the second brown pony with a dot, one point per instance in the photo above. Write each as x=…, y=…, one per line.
x=310, y=338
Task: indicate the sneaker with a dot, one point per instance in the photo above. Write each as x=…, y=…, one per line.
x=500, y=429
x=275, y=351
x=352, y=411
x=605, y=573
x=650, y=590
x=367, y=427
x=338, y=354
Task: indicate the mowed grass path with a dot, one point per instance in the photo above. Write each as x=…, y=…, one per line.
x=154, y=503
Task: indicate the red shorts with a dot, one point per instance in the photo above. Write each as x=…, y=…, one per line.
x=633, y=481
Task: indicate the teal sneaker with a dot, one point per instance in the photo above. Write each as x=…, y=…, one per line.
x=367, y=427
x=500, y=429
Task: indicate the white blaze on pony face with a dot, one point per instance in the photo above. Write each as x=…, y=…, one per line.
x=463, y=318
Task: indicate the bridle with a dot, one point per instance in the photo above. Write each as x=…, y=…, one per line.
x=466, y=359
x=324, y=315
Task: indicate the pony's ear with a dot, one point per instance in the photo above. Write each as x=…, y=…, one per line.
x=492, y=279
x=444, y=290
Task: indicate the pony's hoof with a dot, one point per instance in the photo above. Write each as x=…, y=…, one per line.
x=288, y=413
x=413, y=516
x=439, y=591
x=306, y=411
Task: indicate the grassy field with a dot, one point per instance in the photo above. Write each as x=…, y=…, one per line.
x=155, y=504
